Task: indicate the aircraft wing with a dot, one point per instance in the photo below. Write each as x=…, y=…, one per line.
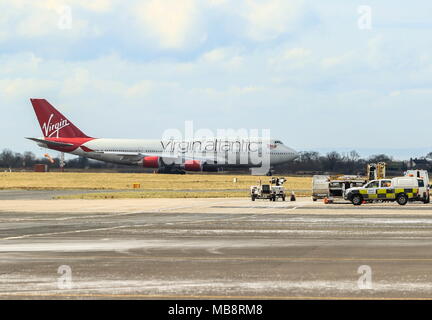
x=169, y=157
x=121, y=153
x=131, y=156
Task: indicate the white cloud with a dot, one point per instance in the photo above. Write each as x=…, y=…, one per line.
x=259, y=20
x=93, y=5
x=374, y=46
x=35, y=19
x=291, y=58
x=330, y=62
x=139, y=89
x=14, y=89
x=19, y=64
x=79, y=81
x=48, y=22
x=157, y=24
x=173, y=24
x=228, y=57
x=297, y=53
x=215, y=55
x=97, y=5
x=149, y=58
x=217, y=2
x=267, y=20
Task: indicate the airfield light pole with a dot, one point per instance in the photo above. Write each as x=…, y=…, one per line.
x=62, y=161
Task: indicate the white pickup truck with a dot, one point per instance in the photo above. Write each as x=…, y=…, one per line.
x=400, y=189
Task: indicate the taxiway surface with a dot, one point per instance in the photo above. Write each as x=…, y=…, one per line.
x=213, y=248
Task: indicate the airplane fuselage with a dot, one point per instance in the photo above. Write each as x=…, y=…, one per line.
x=189, y=155
x=217, y=152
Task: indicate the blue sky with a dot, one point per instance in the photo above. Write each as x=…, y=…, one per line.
x=304, y=69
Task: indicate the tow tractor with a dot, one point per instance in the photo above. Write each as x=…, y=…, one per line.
x=270, y=191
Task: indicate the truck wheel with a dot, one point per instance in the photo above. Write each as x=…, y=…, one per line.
x=357, y=200
x=314, y=199
x=402, y=199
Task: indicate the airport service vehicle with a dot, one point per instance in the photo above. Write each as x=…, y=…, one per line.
x=375, y=171
x=423, y=181
x=166, y=156
x=421, y=174
x=270, y=191
x=400, y=189
x=332, y=187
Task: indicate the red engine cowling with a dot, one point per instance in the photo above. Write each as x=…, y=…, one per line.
x=151, y=162
x=193, y=165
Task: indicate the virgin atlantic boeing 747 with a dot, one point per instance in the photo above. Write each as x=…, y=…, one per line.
x=167, y=156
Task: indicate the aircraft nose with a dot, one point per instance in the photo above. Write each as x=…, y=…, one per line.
x=292, y=153
x=295, y=154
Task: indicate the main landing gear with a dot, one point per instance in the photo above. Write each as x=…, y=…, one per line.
x=170, y=170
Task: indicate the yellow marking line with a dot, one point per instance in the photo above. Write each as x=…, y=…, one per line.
x=151, y=296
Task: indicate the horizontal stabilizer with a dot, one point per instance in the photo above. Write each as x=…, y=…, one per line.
x=51, y=143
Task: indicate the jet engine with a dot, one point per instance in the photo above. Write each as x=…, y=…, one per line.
x=151, y=162
x=193, y=165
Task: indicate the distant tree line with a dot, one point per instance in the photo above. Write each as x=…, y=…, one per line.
x=309, y=162
x=312, y=162
x=27, y=160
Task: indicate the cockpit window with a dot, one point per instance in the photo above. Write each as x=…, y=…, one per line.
x=278, y=142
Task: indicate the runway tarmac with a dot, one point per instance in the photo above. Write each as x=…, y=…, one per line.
x=213, y=248
x=18, y=194
x=38, y=194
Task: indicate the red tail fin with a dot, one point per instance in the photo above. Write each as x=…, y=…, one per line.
x=53, y=123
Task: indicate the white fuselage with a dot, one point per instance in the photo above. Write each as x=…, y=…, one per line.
x=220, y=152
